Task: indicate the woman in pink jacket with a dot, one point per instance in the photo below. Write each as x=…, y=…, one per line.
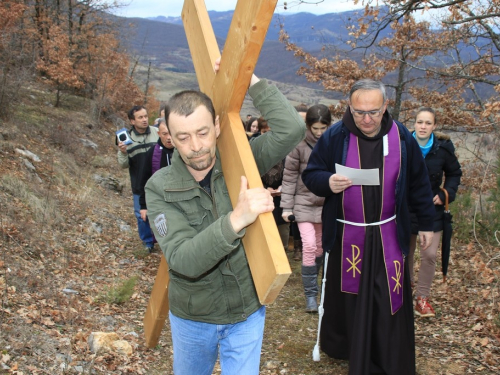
x=298, y=201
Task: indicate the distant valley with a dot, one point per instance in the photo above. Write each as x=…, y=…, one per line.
x=162, y=41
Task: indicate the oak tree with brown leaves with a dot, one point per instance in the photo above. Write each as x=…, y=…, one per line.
x=444, y=54
x=14, y=52
x=74, y=47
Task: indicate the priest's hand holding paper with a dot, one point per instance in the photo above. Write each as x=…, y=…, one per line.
x=339, y=183
x=425, y=239
x=251, y=203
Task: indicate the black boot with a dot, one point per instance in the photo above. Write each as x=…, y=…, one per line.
x=297, y=249
x=310, y=281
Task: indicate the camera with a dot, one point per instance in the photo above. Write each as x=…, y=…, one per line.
x=123, y=136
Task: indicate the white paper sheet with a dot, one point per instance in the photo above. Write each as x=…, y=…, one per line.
x=359, y=176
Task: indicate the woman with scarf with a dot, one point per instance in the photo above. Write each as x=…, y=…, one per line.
x=439, y=154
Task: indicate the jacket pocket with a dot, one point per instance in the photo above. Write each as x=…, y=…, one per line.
x=195, y=219
x=196, y=298
x=194, y=212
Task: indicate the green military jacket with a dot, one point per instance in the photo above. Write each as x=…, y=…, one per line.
x=210, y=279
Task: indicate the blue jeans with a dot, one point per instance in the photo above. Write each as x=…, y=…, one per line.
x=143, y=226
x=197, y=344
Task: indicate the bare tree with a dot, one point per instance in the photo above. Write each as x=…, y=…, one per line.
x=439, y=53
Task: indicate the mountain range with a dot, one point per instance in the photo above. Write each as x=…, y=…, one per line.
x=307, y=30
x=162, y=41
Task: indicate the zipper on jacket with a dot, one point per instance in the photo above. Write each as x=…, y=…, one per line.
x=214, y=204
x=216, y=216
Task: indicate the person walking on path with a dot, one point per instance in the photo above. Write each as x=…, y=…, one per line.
x=368, y=309
x=132, y=156
x=298, y=201
x=439, y=154
x=294, y=229
x=157, y=157
x=214, y=307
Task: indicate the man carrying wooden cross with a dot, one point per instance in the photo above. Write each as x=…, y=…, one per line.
x=213, y=302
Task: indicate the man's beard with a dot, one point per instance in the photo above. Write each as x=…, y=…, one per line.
x=199, y=165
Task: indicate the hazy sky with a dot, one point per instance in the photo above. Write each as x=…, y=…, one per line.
x=173, y=8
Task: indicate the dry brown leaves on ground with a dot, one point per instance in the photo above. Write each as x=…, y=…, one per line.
x=64, y=245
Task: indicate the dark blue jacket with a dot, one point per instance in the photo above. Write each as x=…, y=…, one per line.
x=412, y=185
x=441, y=163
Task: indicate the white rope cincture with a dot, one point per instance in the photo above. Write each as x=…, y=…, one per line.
x=321, y=310
x=367, y=224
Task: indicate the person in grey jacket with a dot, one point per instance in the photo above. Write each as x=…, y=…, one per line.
x=305, y=206
x=214, y=308
x=132, y=156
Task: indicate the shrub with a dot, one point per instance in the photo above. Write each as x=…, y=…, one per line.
x=121, y=293
x=462, y=210
x=495, y=200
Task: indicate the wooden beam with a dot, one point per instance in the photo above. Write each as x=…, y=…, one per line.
x=202, y=42
x=263, y=246
x=244, y=41
x=157, y=310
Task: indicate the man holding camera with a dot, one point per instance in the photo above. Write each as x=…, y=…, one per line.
x=132, y=156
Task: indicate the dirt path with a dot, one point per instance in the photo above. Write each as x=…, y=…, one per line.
x=64, y=248
x=45, y=330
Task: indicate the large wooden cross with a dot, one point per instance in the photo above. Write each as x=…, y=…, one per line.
x=264, y=249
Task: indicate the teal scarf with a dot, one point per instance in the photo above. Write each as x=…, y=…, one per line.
x=425, y=149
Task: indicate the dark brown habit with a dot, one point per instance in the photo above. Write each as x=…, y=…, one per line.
x=360, y=327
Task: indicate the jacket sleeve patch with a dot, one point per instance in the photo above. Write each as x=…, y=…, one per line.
x=161, y=225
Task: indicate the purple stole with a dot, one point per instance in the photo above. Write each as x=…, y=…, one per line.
x=155, y=164
x=353, y=240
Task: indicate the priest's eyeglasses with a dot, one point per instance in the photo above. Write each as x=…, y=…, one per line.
x=372, y=114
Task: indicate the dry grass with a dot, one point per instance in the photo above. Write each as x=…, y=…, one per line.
x=42, y=206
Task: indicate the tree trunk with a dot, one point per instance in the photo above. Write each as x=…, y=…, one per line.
x=400, y=88
x=39, y=11
x=147, y=85
x=70, y=23
x=58, y=96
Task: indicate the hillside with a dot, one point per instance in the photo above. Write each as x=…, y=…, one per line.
x=165, y=46
x=68, y=244
x=166, y=83
x=305, y=29
x=161, y=41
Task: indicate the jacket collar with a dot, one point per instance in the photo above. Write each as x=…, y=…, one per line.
x=133, y=129
x=310, y=138
x=435, y=144
x=183, y=178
